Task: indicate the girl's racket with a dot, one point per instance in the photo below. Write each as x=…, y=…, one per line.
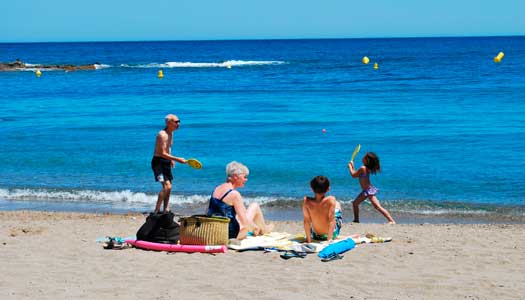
x=356, y=150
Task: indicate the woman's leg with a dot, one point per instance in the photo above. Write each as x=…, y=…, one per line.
x=378, y=206
x=254, y=214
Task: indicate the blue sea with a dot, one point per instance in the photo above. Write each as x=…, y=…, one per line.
x=447, y=122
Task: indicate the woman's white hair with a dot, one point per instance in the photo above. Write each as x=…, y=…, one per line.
x=236, y=168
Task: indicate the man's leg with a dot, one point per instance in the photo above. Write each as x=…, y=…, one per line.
x=164, y=196
x=166, y=187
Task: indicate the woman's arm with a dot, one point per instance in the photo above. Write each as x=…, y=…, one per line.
x=240, y=210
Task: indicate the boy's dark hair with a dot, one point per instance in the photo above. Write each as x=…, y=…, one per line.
x=372, y=162
x=320, y=184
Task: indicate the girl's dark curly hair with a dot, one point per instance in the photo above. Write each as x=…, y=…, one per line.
x=372, y=162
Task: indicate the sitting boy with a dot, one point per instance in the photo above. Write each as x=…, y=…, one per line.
x=322, y=214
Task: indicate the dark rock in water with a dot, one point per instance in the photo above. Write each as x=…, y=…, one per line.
x=21, y=66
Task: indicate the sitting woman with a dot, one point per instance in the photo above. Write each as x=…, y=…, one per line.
x=226, y=201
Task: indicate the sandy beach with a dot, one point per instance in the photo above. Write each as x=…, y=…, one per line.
x=48, y=255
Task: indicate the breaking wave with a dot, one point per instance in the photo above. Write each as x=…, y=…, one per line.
x=224, y=64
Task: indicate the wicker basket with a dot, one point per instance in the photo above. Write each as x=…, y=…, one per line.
x=204, y=230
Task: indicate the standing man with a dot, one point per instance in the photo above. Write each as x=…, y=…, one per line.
x=163, y=161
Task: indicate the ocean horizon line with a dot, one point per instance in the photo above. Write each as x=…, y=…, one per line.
x=267, y=39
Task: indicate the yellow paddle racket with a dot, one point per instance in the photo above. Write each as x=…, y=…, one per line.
x=356, y=150
x=192, y=162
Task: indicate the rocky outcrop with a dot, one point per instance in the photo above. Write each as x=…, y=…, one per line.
x=21, y=66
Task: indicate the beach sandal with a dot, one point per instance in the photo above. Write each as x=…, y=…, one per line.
x=291, y=253
x=271, y=249
x=115, y=243
x=332, y=257
x=109, y=244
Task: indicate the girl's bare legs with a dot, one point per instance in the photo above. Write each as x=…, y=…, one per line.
x=360, y=198
x=254, y=213
x=383, y=211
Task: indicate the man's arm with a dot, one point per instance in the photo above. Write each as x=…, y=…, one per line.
x=331, y=218
x=164, y=149
x=307, y=221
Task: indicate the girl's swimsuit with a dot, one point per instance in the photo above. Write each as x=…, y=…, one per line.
x=369, y=191
x=218, y=208
x=337, y=229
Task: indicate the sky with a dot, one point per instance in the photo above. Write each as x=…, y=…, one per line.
x=143, y=20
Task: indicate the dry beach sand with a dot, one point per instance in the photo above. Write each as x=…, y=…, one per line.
x=48, y=255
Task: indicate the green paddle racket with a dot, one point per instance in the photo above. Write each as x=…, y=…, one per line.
x=356, y=150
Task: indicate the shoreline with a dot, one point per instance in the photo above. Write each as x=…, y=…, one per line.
x=277, y=207
x=279, y=213
x=50, y=255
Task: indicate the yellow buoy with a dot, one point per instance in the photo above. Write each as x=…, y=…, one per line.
x=38, y=73
x=228, y=66
x=365, y=60
x=499, y=57
x=160, y=74
x=376, y=66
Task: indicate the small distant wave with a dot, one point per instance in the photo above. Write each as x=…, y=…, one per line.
x=33, y=69
x=225, y=64
x=101, y=66
x=457, y=210
x=447, y=212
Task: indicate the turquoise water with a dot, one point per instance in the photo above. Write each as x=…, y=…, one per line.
x=446, y=121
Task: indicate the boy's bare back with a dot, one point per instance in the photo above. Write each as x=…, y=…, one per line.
x=320, y=213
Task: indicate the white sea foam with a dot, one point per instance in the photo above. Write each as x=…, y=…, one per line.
x=29, y=68
x=101, y=66
x=444, y=212
x=75, y=195
x=92, y=196
x=225, y=64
